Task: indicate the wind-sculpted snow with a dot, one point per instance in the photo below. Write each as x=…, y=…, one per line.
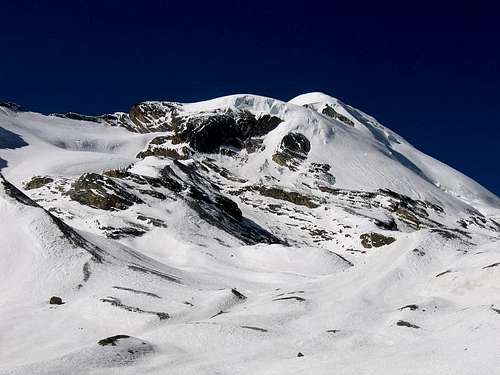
x=240, y=235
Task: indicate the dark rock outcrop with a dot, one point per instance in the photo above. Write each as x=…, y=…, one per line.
x=188, y=181
x=289, y=196
x=402, y=323
x=254, y=144
x=409, y=307
x=205, y=132
x=293, y=149
x=116, y=302
x=230, y=128
x=443, y=273
x=159, y=147
x=238, y=294
x=37, y=182
x=401, y=210
x=205, y=197
x=151, y=116
x=331, y=112
x=369, y=240
x=101, y=192
x=112, y=340
x=321, y=174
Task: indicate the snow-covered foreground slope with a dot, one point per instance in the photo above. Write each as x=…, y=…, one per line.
x=241, y=235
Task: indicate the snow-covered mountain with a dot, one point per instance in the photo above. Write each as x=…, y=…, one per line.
x=240, y=235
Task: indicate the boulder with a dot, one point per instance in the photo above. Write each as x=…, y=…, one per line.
x=54, y=300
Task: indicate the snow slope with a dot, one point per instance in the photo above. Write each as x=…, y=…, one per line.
x=230, y=235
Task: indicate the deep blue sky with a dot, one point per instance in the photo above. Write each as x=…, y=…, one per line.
x=431, y=73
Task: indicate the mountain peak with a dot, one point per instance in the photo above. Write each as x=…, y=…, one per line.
x=243, y=224
x=313, y=98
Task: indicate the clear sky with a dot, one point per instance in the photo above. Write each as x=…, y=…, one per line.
x=430, y=73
